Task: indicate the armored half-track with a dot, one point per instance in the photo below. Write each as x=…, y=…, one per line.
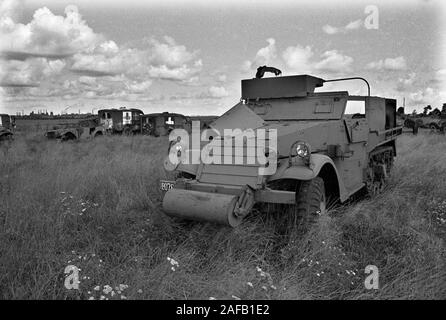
x=313, y=151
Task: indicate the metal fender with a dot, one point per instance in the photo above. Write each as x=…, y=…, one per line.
x=63, y=132
x=302, y=172
x=101, y=130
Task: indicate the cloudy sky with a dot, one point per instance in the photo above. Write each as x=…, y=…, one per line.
x=189, y=56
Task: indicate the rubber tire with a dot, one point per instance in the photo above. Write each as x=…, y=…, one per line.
x=68, y=137
x=433, y=127
x=308, y=203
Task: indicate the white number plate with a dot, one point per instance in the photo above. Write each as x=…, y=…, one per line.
x=166, y=185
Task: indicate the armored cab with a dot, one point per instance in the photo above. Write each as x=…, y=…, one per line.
x=6, y=127
x=286, y=144
x=161, y=124
x=121, y=121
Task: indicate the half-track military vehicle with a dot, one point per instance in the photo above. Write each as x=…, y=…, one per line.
x=318, y=152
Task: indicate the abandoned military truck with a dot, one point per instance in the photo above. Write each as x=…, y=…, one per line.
x=321, y=153
x=6, y=127
x=120, y=121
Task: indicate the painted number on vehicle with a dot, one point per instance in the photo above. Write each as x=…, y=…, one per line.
x=166, y=185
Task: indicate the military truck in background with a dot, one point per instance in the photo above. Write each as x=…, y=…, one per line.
x=323, y=153
x=84, y=129
x=428, y=122
x=121, y=121
x=6, y=127
x=161, y=124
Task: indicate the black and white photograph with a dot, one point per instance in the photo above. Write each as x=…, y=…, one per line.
x=222, y=156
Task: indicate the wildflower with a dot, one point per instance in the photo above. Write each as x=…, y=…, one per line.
x=173, y=262
x=273, y=287
x=107, y=289
x=102, y=298
x=122, y=287
x=249, y=284
x=97, y=288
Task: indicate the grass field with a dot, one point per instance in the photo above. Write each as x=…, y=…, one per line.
x=95, y=205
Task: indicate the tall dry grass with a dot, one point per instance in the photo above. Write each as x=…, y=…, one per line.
x=95, y=205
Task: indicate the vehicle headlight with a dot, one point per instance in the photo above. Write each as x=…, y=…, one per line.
x=178, y=148
x=302, y=150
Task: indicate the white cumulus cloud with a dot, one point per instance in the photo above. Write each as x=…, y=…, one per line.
x=335, y=62
x=389, y=64
x=46, y=33
x=264, y=56
x=354, y=25
x=298, y=57
x=217, y=92
x=29, y=72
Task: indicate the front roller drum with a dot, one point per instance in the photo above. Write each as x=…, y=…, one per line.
x=204, y=206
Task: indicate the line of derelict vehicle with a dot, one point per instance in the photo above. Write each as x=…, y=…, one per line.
x=125, y=121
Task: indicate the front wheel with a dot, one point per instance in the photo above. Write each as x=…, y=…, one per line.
x=311, y=203
x=434, y=127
